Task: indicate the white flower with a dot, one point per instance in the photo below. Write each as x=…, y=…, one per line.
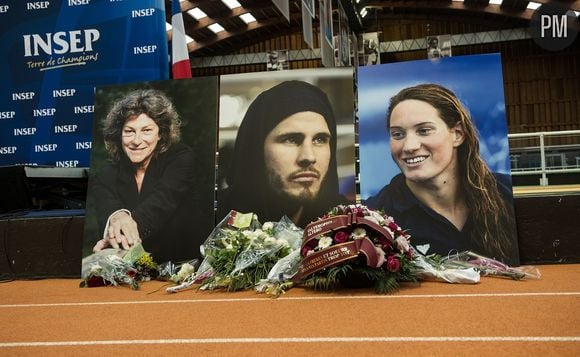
x=270, y=241
x=185, y=271
x=283, y=243
x=379, y=217
x=251, y=235
x=358, y=233
x=268, y=226
x=372, y=219
x=324, y=242
x=402, y=243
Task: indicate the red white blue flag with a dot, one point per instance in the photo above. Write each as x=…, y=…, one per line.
x=181, y=66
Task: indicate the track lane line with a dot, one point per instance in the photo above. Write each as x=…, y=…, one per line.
x=297, y=340
x=297, y=298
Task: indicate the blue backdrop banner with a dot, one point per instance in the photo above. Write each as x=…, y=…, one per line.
x=52, y=56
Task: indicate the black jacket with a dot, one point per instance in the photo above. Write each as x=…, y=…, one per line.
x=429, y=227
x=172, y=222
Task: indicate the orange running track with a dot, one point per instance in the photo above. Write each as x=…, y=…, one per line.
x=498, y=317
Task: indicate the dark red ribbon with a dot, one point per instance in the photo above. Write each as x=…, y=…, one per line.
x=338, y=253
x=335, y=255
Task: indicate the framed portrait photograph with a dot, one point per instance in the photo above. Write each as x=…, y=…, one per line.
x=150, y=142
x=286, y=143
x=434, y=153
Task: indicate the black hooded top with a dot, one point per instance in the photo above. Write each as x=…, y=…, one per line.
x=248, y=189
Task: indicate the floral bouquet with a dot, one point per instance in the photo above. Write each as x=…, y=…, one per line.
x=240, y=252
x=352, y=246
x=483, y=265
x=116, y=266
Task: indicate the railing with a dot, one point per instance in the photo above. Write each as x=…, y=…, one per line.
x=544, y=168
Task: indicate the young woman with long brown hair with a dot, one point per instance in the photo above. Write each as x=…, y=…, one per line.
x=446, y=196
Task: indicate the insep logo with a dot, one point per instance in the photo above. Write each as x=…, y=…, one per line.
x=554, y=27
x=60, y=42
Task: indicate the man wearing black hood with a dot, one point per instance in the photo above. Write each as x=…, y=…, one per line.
x=284, y=159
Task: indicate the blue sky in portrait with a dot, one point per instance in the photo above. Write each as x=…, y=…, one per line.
x=477, y=81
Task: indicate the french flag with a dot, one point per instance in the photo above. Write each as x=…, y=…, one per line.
x=181, y=66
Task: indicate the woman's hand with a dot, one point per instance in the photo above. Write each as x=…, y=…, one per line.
x=122, y=232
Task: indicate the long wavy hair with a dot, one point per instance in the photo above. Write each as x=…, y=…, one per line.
x=155, y=105
x=493, y=217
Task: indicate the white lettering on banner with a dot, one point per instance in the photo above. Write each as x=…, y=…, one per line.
x=63, y=93
x=72, y=61
x=142, y=12
x=4, y=9
x=24, y=131
x=7, y=149
x=71, y=128
x=45, y=147
x=78, y=2
x=82, y=145
x=63, y=42
x=83, y=109
x=144, y=49
x=67, y=163
x=37, y=5
x=45, y=112
x=7, y=115
x=23, y=95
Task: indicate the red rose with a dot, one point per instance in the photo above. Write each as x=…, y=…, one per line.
x=340, y=237
x=96, y=281
x=385, y=243
x=393, y=226
x=313, y=243
x=393, y=264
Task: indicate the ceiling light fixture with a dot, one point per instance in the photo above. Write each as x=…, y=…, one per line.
x=247, y=18
x=532, y=5
x=196, y=13
x=495, y=2
x=216, y=28
x=232, y=4
x=363, y=12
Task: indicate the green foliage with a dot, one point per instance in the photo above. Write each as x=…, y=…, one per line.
x=383, y=281
x=328, y=279
x=387, y=284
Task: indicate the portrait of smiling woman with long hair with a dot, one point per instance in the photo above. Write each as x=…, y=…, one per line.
x=445, y=196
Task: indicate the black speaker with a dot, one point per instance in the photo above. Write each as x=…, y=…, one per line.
x=24, y=188
x=14, y=191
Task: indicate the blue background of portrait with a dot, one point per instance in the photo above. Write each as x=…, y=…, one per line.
x=477, y=81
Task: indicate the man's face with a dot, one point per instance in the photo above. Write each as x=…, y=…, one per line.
x=297, y=156
x=140, y=136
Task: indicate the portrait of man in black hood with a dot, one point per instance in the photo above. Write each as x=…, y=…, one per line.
x=284, y=158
